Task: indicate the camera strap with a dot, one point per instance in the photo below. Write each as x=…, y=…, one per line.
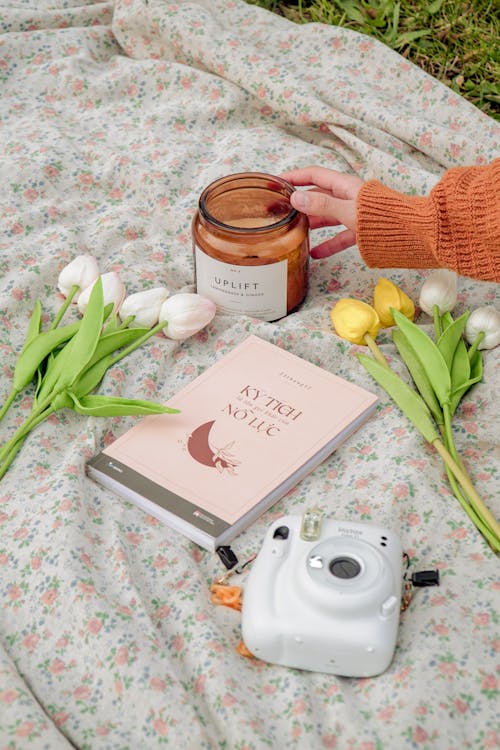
x=222, y=593
x=235, y=568
x=419, y=579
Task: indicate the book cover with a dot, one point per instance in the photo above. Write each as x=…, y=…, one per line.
x=249, y=428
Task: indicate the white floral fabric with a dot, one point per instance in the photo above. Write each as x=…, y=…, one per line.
x=113, y=118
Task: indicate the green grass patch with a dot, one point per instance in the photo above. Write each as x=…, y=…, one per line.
x=456, y=42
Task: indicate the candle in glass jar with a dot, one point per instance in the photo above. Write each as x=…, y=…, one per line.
x=251, y=247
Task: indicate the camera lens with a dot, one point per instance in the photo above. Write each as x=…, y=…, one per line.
x=344, y=567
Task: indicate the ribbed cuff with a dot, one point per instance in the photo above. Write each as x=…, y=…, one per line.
x=395, y=230
x=457, y=226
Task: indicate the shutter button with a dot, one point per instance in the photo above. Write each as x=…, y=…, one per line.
x=389, y=606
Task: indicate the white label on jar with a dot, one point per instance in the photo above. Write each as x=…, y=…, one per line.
x=258, y=291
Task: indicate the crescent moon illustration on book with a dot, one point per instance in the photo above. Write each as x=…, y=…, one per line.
x=200, y=448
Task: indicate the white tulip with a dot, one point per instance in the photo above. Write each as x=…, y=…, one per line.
x=113, y=291
x=484, y=320
x=439, y=289
x=144, y=307
x=186, y=314
x=81, y=272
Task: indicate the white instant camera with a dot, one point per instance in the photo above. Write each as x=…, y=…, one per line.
x=325, y=596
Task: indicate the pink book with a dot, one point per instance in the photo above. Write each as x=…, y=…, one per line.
x=249, y=428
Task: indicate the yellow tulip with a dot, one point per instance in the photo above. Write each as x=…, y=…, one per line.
x=387, y=295
x=354, y=320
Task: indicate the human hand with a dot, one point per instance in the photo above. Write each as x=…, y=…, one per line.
x=331, y=201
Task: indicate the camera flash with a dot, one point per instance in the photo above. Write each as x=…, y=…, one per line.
x=310, y=529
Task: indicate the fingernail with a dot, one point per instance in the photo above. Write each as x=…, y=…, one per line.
x=300, y=199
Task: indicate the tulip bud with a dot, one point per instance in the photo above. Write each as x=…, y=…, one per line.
x=112, y=288
x=353, y=319
x=484, y=320
x=387, y=295
x=440, y=289
x=186, y=314
x=81, y=272
x=144, y=307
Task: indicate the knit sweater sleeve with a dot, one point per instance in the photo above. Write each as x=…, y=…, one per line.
x=457, y=226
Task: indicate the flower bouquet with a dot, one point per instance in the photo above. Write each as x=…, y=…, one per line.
x=442, y=370
x=67, y=363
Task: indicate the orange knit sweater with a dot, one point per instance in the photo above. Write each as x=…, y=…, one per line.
x=457, y=226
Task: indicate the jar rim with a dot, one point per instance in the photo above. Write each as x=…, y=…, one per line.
x=234, y=178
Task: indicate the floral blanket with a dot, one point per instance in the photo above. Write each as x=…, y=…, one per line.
x=113, y=118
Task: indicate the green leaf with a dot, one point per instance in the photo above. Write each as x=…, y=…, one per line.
x=448, y=341
x=109, y=406
x=476, y=364
x=429, y=355
x=418, y=374
x=410, y=36
x=113, y=324
x=61, y=401
x=110, y=342
x=460, y=367
x=75, y=356
x=434, y=6
x=352, y=12
x=37, y=350
x=92, y=376
x=446, y=320
x=395, y=16
x=82, y=347
x=101, y=360
x=23, y=373
x=108, y=309
x=476, y=368
x=408, y=400
x=34, y=325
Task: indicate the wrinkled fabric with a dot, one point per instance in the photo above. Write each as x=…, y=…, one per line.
x=113, y=118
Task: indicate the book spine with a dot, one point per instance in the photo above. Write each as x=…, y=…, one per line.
x=152, y=497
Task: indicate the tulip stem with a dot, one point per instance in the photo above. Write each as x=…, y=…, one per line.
x=466, y=505
x=10, y=449
x=11, y=455
x=375, y=350
x=475, y=501
x=37, y=415
x=6, y=405
x=64, y=307
x=473, y=349
x=469, y=509
x=437, y=322
x=448, y=434
x=137, y=343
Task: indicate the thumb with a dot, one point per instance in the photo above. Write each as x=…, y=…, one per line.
x=328, y=208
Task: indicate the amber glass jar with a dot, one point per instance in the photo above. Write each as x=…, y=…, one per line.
x=251, y=247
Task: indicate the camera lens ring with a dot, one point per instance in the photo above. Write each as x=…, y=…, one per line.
x=344, y=567
x=371, y=563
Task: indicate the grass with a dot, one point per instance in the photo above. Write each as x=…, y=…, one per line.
x=456, y=42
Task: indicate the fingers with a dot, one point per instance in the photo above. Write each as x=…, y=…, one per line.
x=317, y=222
x=330, y=201
x=338, y=184
x=336, y=244
x=325, y=208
